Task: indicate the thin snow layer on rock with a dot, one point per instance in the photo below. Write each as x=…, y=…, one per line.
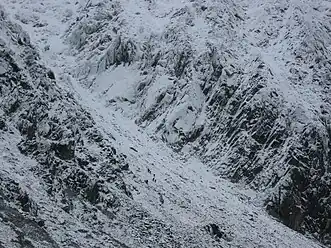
x=243, y=84
x=53, y=158
x=57, y=189
x=194, y=74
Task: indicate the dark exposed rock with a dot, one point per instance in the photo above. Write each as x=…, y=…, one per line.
x=92, y=194
x=51, y=75
x=215, y=231
x=182, y=61
x=13, y=107
x=125, y=166
x=134, y=149
x=64, y=151
x=304, y=204
x=56, y=133
x=3, y=125
x=26, y=230
x=41, y=223
x=121, y=51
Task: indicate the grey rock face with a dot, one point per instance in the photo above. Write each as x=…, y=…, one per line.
x=62, y=177
x=55, y=132
x=245, y=88
x=253, y=107
x=25, y=229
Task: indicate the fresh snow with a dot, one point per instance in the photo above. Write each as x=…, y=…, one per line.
x=184, y=193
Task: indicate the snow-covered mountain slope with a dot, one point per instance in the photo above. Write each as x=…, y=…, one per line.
x=218, y=79
x=244, y=84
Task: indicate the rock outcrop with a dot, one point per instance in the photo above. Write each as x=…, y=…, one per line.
x=245, y=87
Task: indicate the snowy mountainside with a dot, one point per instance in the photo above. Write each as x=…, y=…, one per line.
x=243, y=84
x=76, y=176
x=81, y=173
x=51, y=152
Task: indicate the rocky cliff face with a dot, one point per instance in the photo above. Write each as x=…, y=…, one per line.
x=243, y=86
x=64, y=180
x=71, y=160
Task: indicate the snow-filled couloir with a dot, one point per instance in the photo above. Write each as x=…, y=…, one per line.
x=163, y=123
